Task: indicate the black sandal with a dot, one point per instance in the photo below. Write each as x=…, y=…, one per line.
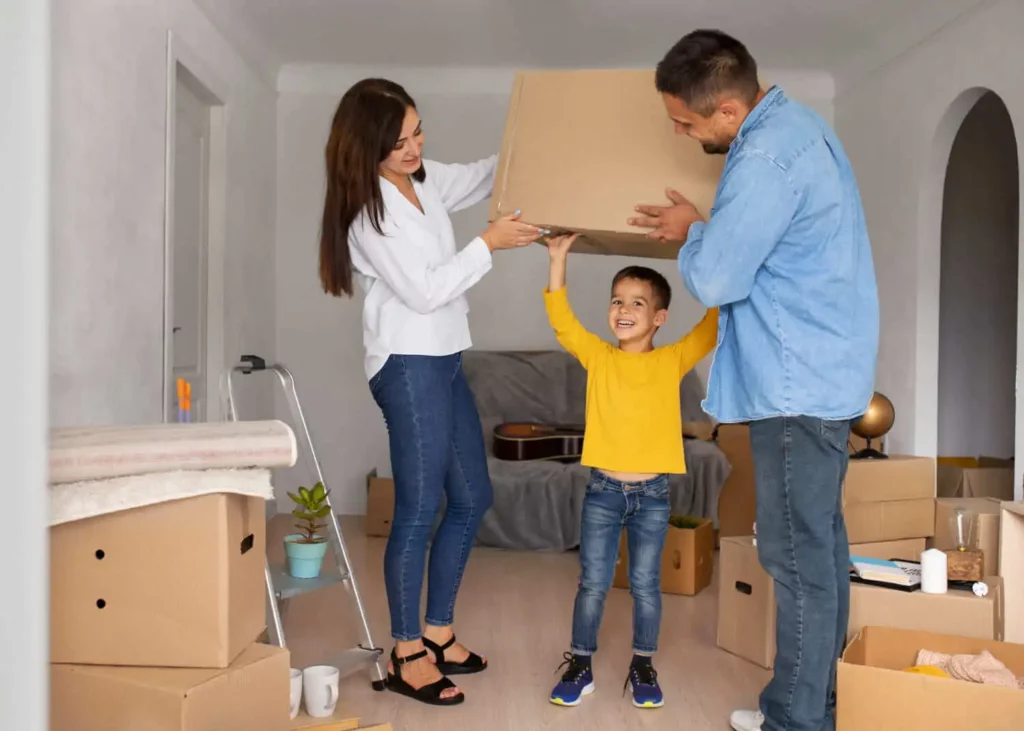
x=429, y=694
x=472, y=664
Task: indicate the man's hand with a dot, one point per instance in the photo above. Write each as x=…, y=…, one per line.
x=559, y=246
x=670, y=223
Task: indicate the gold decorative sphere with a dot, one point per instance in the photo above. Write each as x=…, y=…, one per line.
x=877, y=420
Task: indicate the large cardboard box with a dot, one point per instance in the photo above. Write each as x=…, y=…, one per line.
x=875, y=695
x=957, y=612
x=687, y=561
x=178, y=584
x=380, y=505
x=746, y=603
x=893, y=520
x=882, y=480
x=1011, y=568
x=906, y=550
x=252, y=695
x=985, y=536
x=737, y=504
x=583, y=148
x=975, y=477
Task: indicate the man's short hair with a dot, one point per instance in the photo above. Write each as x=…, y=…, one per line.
x=705, y=64
x=659, y=285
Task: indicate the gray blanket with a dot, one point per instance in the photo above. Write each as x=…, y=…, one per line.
x=537, y=505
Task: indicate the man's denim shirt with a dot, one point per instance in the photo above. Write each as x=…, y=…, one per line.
x=785, y=255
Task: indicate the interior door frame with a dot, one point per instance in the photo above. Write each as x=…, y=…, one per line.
x=212, y=90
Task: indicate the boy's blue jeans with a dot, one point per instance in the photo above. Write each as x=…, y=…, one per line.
x=644, y=511
x=799, y=466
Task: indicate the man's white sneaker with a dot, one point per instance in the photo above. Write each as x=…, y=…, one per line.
x=746, y=720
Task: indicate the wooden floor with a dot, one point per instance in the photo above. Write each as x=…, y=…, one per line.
x=517, y=608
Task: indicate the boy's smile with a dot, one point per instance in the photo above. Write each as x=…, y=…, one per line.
x=634, y=315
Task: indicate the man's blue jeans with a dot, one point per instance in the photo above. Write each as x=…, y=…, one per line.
x=799, y=466
x=643, y=509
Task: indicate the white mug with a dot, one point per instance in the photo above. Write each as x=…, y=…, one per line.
x=320, y=690
x=296, y=697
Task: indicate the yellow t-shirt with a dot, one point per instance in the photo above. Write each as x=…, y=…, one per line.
x=633, y=420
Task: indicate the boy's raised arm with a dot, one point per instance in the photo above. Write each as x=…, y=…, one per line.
x=697, y=343
x=575, y=338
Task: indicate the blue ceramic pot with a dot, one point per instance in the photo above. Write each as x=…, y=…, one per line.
x=304, y=559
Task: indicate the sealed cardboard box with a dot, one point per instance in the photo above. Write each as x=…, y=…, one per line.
x=975, y=477
x=882, y=480
x=746, y=603
x=687, y=561
x=893, y=520
x=177, y=584
x=737, y=505
x=583, y=148
x=985, y=512
x=1011, y=568
x=906, y=550
x=957, y=612
x=874, y=694
x=380, y=505
x=252, y=694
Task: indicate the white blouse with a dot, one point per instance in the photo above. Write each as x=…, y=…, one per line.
x=414, y=278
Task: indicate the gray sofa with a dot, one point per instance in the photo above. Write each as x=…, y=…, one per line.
x=537, y=505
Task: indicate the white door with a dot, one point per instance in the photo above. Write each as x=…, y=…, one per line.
x=190, y=255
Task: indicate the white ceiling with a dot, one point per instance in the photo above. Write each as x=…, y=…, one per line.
x=846, y=38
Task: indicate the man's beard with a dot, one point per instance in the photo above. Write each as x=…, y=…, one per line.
x=712, y=149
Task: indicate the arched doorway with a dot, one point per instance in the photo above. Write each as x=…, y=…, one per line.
x=978, y=282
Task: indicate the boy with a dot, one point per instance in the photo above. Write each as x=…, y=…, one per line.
x=634, y=440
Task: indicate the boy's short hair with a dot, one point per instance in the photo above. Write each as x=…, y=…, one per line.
x=659, y=285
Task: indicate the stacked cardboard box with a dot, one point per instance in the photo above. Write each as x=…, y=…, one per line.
x=889, y=500
x=155, y=613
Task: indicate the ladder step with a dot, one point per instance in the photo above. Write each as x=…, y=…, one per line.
x=287, y=586
x=352, y=660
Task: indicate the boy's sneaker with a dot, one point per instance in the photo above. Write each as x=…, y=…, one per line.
x=643, y=681
x=746, y=720
x=577, y=681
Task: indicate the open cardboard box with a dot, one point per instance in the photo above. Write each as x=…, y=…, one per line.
x=583, y=148
x=875, y=695
x=975, y=477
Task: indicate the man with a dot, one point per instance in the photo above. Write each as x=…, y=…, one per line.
x=786, y=257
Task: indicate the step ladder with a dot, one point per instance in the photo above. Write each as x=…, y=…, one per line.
x=281, y=586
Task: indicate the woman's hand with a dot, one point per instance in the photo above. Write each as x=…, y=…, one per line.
x=508, y=233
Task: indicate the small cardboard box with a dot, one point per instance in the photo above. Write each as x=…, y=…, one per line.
x=177, y=584
x=746, y=603
x=985, y=533
x=957, y=612
x=380, y=505
x=975, y=477
x=875, y=695
x=737, y=504
x=687, y=561
x=893, y=520
x=1011, y=568
x=882, y=480
x=252, y=695
x=907, y=550
x=550, y=168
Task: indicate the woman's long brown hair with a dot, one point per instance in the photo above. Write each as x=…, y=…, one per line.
x=364, y=132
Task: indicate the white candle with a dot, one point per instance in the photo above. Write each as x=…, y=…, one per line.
x=933, y=571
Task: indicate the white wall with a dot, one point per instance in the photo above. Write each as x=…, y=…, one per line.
x=24, y=250
x=110, y=72
x=978, y=297
x=320, y=338
x=898, y=126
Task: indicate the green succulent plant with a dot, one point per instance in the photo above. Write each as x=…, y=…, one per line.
x=312, y=507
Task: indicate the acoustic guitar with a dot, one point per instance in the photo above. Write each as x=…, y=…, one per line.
x=527, y=441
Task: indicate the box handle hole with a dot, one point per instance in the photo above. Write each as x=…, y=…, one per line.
x=247, y=543
x=744, y=588
x=100, y=554
x=101, y=603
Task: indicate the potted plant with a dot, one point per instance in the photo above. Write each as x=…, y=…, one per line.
x=305, y=550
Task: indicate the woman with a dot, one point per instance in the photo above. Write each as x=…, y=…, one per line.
x=386, y=221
